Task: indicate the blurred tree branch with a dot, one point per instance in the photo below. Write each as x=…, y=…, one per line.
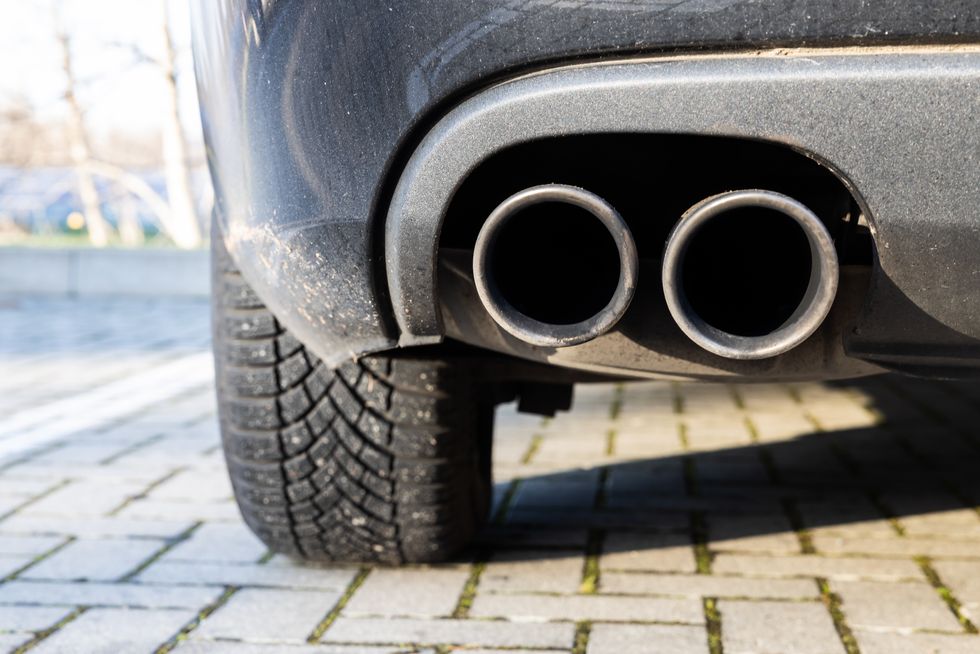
x=78, y=146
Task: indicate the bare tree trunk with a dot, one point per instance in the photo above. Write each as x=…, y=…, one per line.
x=81, y=156
x=130, y=230
x=186, y=230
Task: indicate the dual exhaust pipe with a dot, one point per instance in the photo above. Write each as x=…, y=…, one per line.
x=746, y=274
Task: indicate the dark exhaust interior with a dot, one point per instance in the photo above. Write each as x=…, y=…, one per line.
x=746, y=275
x=747, y=271
x=555, y=263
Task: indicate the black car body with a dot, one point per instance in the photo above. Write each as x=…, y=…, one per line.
x=357, y=149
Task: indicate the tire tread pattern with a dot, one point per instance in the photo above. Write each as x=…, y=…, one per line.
x=375, y=461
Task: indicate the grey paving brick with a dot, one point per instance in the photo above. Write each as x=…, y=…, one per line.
x=817, y=566
x=777, y=628
x=87, y=498
x=410, y=593
x=553, y=491
x=770, y=532
x=9, y=564
x=85, y=452
x=646, y=563
x=587, y=607
x=892, y=545
x=29, y=618
x=94, y=527
x=450, y=632
x=17, y=486
x=647, y=639
x=921, y=521
x=219, y=543
x=601, y=519
x=11, y=642
x=284, y=576
x=194, y=486
x=665, y=552
x=147, y=509
x=104, y=594
x=94, y=559
x=542, y=571
x=238, y=647
x=706, y=586
x=109, y=631
x=963, y=579
x=872, y=642
x=33, y=545
x=879, y=605
x=264, y=615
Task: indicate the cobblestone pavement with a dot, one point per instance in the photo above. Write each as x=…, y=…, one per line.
x=656, y=517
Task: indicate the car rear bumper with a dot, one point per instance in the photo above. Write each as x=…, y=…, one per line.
x=312, y=109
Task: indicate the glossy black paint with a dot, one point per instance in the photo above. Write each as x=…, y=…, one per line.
x=310, y=107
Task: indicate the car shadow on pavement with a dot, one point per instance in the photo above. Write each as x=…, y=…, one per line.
x=911, y=476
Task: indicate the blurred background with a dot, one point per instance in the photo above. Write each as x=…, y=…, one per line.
x=100, y=138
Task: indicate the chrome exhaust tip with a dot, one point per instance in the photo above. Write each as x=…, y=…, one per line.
x=703, y=269
x=591, y=279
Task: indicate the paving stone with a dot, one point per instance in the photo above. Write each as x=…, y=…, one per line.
x=420, y=592
x=963, y=579
x=640, y=483
x=502, y=537
x=879, y=605
x=587, y=607
x=551, y=492
x=97, y=560
x=767, y=533
x=872, y=642
x=536, y=571
x=646, y=563
x=647, y=639
x=219, y=543
x=10, y=564
x=238, y=647
x=32, y=545
x=94, y=527
x=78, y=472
x=85, y=453
x=892, y=545
x=706, y=586
x=956, y=523
x=16, y=486
x=194, y=486
x=283, y=576
x=774, y=427
x=11, y=642
x=86, y=498
x=264, y=615
x=147, y=509
x=648, y=551
x=601, y=519
x=777, y=628
x=816, y=566
x=29, y=618
x=108, y=631
x=102, y=594
x=450, y=632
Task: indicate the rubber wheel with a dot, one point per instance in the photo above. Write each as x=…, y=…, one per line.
x=382, y=460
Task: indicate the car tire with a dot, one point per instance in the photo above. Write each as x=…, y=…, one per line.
x=381, y=460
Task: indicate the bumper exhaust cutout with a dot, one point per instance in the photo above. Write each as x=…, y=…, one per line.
x=555, y=265
x=749, y=274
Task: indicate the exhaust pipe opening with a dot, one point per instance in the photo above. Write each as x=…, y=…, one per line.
x=750, y=274
x=555, y=265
